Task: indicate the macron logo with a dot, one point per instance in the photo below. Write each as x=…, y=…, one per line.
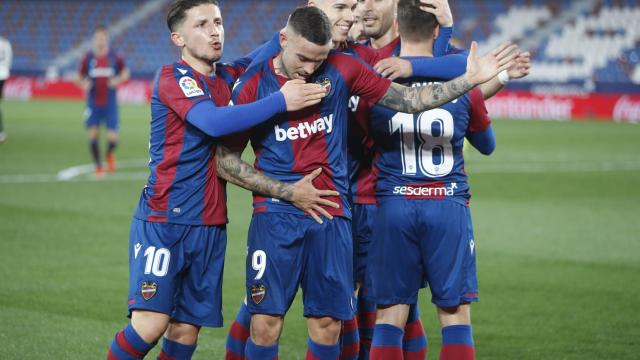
x=305, y=129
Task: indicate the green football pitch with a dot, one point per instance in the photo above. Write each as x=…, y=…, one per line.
x=557, y=225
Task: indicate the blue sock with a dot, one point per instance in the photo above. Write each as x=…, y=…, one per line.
x=414, y=343
x=457, y=343
x=317, y=351
x=172, y=350
x=238, y=334
x=257, y=352
x=387, y=342
x=128, y=345
x=95, y=151
x=111, y=145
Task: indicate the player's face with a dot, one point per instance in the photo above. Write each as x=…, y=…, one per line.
x=101, y=41
x=340, y=14
x=357, y=29
x=202, y=33
x=377, y=16
x=300, y=57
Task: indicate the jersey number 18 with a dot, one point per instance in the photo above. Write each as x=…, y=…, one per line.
x=432, y=139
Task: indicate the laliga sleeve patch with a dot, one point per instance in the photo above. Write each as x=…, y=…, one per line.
x=190, y=87
x=258, y=292
x=148, y=290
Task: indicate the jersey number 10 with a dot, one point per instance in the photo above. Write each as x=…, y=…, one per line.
x=434, y=153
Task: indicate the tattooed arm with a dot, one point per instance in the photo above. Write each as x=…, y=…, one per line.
x=479, y=70
x=302, y=194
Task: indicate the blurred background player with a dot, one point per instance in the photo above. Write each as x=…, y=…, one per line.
x=6, y=55
x=102, y=70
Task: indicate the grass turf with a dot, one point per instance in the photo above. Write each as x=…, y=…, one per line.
x=555, y=214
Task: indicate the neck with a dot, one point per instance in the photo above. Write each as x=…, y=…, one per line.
x=203, y=67
x=279, y=68
x=410, y=48
x=385, y=39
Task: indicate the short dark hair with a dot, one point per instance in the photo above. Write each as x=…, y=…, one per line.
x=413, y=23
x=101, y=27
x=178, y=8
x=312, y=24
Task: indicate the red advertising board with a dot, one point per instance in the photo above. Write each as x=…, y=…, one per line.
x=506, y=104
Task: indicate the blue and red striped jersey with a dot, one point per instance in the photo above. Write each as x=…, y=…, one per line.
x=419, y=156
x=291, y=145
x=99, y=69
x=362, y=172
x=183, y=186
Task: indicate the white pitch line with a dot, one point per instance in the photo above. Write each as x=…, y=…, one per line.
x=83, y=172
x=86, y=172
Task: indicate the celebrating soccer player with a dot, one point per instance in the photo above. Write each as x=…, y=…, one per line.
x=178, y=233
x=287, y=249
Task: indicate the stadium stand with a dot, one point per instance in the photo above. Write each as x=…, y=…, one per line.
x=591, y=43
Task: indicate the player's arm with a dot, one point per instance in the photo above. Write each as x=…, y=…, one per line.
x=480, y=133
x=479, y=70
x=122, y=73
x=82, y=79
x=220, y=121
x=262, y=52
x=520, y=69
x=302, y=194
x=444, y=67
x=441, y=10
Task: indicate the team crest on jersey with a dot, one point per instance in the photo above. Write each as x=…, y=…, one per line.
x=326, y=84
x=148, y=290
x=190, y=87
x=258, y=292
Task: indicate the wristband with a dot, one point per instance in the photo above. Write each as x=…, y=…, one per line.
x=503, y=77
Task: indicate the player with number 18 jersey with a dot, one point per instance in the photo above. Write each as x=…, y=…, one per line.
x=423, y=225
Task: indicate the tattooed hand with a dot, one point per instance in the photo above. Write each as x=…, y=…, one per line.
x=302, y=194
x=309, y=199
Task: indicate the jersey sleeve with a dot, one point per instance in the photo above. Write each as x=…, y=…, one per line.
x=479, y=116
x=84, y=66
x=244, y=92
x=179, y=92
x=120, y=65
x=367, y=54
x=360, y=78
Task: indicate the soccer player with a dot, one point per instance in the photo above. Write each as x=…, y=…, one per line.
x=422, y=228
x=5, y=65
x=178, y=233
x=287, y=249
x=341, y=16
x=102, y=70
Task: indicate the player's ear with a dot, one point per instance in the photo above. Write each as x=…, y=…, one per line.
x=177, y=39
x=436, y=31
x=283, y=38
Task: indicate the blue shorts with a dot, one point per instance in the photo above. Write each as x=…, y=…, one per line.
x=177, y=270
x=422, y=239
x=361, y=225
x=289, y=250
x=94, y=116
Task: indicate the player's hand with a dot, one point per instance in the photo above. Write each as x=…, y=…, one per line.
x=311, y=200
x=441, y=10
x=299, y=95
x=393, y=68
x=522, y=66
x=482, y=69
